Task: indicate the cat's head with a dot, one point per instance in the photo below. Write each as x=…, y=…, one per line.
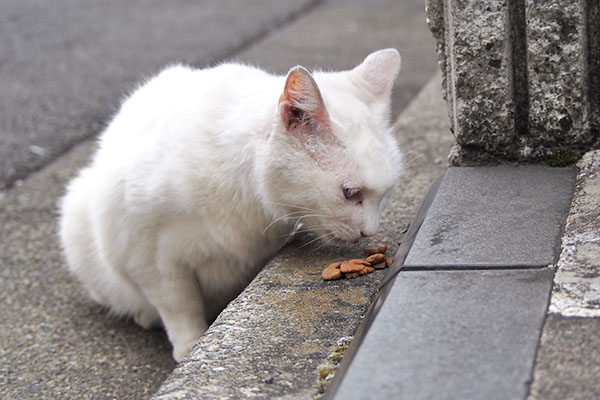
x=333, y=160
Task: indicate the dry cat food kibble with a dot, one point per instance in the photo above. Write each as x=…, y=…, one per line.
x=374, y=248
x=356, y=267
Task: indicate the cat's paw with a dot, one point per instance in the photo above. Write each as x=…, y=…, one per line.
x=147, y=318
x=180, y=350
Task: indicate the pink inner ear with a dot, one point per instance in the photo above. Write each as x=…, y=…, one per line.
x=305, y=118
x=301, y=104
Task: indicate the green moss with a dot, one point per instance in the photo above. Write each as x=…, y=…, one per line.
x=560, y=157
x=327, y=370
x=337, y=354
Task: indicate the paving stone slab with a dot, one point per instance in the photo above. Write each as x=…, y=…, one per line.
x=495, y=217
x=452, y=335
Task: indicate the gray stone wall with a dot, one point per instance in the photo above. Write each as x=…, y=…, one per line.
x=521, y=78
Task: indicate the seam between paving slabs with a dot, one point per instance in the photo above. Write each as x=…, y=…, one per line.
x=540, y=331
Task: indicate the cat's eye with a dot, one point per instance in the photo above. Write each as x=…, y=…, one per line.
x=352, y=194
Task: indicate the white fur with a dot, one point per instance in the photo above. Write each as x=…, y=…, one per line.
x=197, y=183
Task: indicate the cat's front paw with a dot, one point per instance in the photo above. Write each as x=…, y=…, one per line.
x=180, y=350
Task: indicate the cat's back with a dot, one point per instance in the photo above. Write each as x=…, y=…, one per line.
x=180, y=87
x=184, y=106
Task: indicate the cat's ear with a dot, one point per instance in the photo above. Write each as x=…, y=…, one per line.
x=377, y=74
x=301, y=106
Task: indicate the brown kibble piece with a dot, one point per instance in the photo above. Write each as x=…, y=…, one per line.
x=389, y=261
x=375, y=258
x=367, y=270
x=349, y=267
x=332, y=272
x=356, y=267
x=381, y=265
x=375, y=248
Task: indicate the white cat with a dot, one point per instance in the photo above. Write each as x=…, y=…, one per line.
x=203, y=175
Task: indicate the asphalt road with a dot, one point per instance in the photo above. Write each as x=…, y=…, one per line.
x=65, y=64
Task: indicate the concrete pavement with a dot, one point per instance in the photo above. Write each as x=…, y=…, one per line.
x=65, y=66
x=55, y=343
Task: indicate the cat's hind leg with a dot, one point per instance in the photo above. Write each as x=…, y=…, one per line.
x=103, y=283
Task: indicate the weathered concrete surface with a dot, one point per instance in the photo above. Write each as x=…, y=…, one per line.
x=559, y=104
x=568, y=360
x=593, y=58
x=577, y=280
x=65, y=66
x=474, y=51
x=521, y=78
x=270, y=340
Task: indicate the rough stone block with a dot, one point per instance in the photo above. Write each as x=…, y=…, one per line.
x=474, y=51
x=593, y=48
x=476, y=341
x=495, y=217
x=521, y=78
x=559, y=106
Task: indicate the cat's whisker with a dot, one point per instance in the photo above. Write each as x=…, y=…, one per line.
x=314, y=215
x=293, y=206
x=283, y=217
x=293, y=215
x=311, y=229
x=315, y=239
x=408, y=162
x=324, y=243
